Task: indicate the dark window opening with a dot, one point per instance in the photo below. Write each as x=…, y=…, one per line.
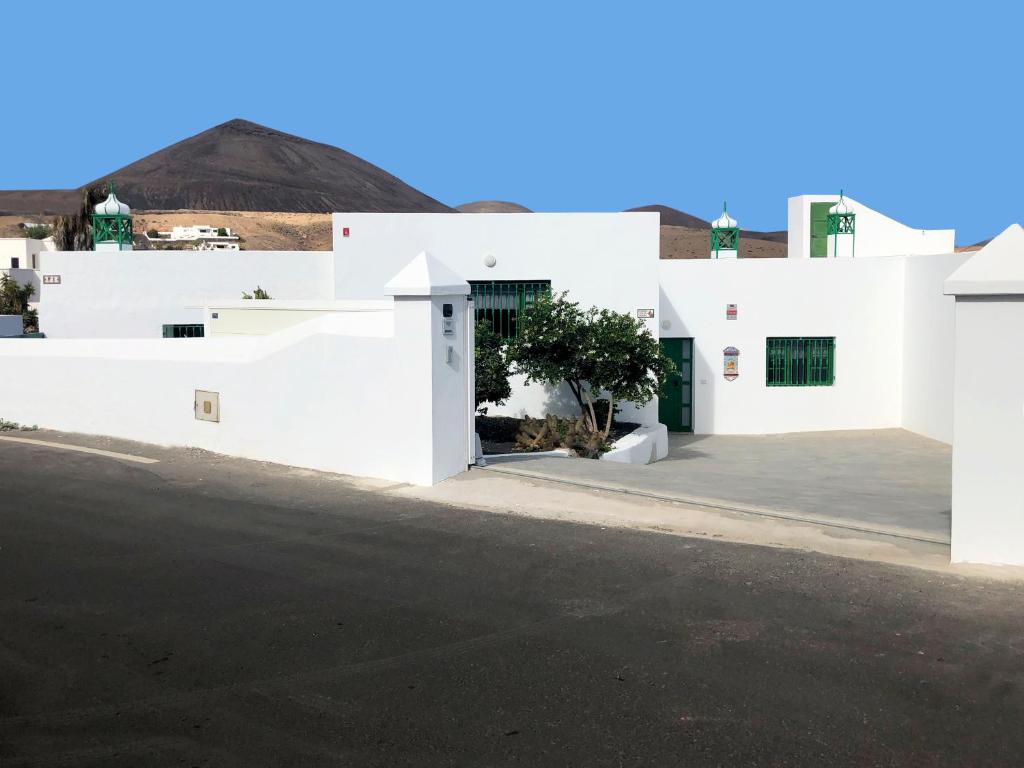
x=500, y=302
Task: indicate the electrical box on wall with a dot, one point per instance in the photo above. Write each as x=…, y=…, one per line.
x=207, y=405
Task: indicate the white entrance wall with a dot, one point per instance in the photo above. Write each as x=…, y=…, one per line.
x=988, y=445
x=604, y=259
x=876, y=234
x=114, y=294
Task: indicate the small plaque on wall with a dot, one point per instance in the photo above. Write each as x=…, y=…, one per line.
x=731, y=310
x=645, y=314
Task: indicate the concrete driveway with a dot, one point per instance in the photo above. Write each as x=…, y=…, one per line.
x=883, y=481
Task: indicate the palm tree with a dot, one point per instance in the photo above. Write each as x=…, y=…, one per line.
x=74, y=232
x=14, y=299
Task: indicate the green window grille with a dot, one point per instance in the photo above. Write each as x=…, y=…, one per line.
x=801, y=362
x=184, y=331
x=501, y=301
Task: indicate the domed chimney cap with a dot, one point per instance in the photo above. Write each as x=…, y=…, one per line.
x=725, y=221
x=112, y=206
x=842, y=206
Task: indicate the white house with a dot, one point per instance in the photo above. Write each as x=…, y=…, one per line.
x=853, y=331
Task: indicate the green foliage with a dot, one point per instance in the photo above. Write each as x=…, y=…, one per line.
x=592, y=351
x=627, y=360
x=259, y=293
x=152, y=233
x=492, y=366
x=222, y=232
x=10, y=426
x=39, y=232
x=14, y=299
x=552, y=344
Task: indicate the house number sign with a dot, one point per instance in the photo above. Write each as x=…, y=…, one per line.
x=51, y=279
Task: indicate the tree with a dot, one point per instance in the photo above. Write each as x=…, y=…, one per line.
x=552, y=345
x=259, y=293
x=627, y=361
x=493, y=366
x=591, y=351
x=14, y=299
x=74, y=232
x=222, y=232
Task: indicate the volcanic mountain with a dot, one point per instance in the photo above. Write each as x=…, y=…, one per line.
x=242, y=166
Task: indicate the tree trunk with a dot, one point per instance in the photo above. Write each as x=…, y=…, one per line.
x=593, y=416
x=608, y=421
x=577, y=388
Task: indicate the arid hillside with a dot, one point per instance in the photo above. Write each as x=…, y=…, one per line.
x=242, y=166
x=687, y=243
x=259, y=231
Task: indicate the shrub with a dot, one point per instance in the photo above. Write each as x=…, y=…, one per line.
x=492, y=367
x=551, y=432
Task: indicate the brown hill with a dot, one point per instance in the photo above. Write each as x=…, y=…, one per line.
x=689, y=243
x=492, y=206
x=673, y=217
x=242, y=166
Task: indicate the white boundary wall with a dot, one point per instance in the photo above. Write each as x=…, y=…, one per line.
x=321, y=395
x=988, y=462
x=132, y=294
x=604, y=259
x=876, y=234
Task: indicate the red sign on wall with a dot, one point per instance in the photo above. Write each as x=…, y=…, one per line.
x=344, y=231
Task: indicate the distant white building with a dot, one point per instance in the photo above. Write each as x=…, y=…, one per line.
x=198, y=232
x=21, y=259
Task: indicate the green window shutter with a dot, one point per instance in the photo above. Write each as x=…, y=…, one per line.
x=800, y=361
x=819, y=229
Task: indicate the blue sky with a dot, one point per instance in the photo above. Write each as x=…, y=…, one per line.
x=911, y=107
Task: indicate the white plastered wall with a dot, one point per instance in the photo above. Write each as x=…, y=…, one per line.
x=859, y=302
x=988, y=415
x=133, y=294
x=314, y=395
x=928, y=333
x=876, y=234
x=893, y=329
x=988, y=460
x=605, y=259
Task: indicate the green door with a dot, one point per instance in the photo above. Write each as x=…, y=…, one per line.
x=819, y=229
x=675, y=401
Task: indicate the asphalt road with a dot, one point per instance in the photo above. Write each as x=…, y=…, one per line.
x=204, y=611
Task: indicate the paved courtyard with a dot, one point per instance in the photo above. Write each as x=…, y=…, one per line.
x=881, y=480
